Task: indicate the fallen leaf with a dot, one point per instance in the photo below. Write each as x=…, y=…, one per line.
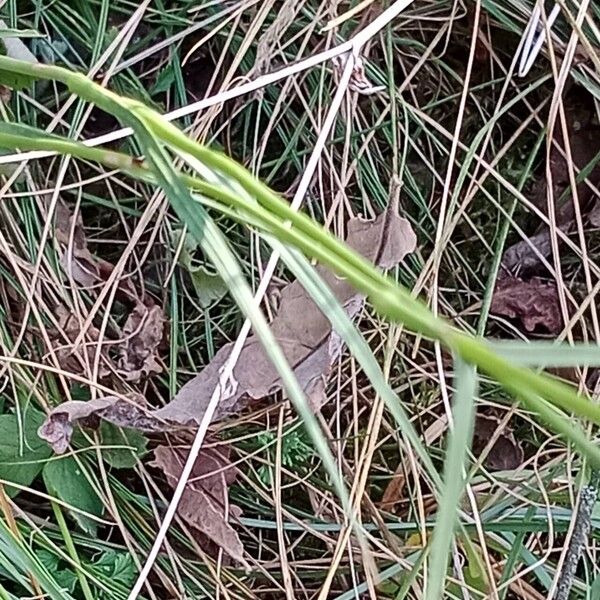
x=77, y=261
x=302, y=330
x=57, y=429
x=204, y=504
x=506, y=454
x=594, y=215
x=534, y=303
x=143, y=332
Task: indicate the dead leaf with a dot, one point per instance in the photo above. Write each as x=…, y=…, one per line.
x=534, y=303
x=584, y=142
x=77, y=261
x=594, y=215
x=143, y=329
x=205, y=501
x=269, y=42
x=143, y=333
x=506, y=454
x=302, y=330
x=57, y=429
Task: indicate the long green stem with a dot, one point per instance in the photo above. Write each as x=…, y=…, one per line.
x=276, y=216
x=81, y=576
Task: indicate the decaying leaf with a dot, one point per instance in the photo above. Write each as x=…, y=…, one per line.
x=506, y=454
x=594, y=215
x=143, y=332
x=304, y=333
x=204, y=504
x=57, y=429
x=302, y=330
x=86, y=269
x=534, y=303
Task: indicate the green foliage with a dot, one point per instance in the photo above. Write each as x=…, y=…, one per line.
x=122, y=458
x=22, y=452
x=65, y=480
x=295, y=452
x=116, y=569
x=64, y=576
x=209, y=286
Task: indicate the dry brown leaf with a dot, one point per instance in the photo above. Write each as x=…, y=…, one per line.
x=534, y=303
x=304, y=333
x=302, y=330
x=506, y=454
x=57, y=429
x=584, y=142
x=77, y=261
x=143, y=330
x=205, y=502
x=143, y=333
x=594, y=215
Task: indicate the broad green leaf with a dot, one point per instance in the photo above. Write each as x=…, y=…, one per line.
x=65, y=479
x=63, y=576
x=115, y=566
x=210, y=287
x=22, y=452
x=126, y=457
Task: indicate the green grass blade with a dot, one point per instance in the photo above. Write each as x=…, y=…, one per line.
x=463, y=414
x=548, y=354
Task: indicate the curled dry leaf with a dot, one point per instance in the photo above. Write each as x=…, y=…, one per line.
x=57, y=429
x=143, y=333
x=204, y=504
x=534, y=303
x=77, y=261
x=506, y=454
x=302, y=330
x=143, y=329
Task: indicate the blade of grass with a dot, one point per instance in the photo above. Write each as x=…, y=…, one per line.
x=463, y=415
